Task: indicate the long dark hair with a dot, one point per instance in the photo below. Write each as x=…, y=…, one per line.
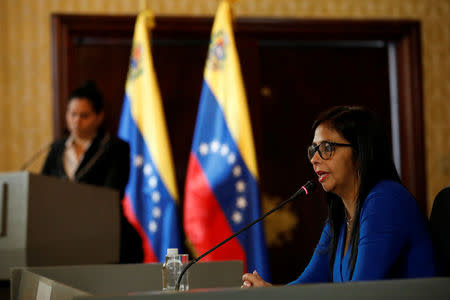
x=371, y=153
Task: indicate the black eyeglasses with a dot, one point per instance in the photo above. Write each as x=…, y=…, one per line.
x=325, y=149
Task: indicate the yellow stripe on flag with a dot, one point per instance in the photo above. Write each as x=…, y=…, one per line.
x=146, y=105
x=225, y=80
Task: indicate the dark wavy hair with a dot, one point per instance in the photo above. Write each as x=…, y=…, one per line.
x=373, y=157
x=90, y=92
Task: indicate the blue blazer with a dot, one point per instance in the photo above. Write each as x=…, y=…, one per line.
x=394, y=241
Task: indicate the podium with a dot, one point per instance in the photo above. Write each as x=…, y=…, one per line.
x=46, y=221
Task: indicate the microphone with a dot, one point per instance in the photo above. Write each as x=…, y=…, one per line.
x=305, y=189
x=35, y=156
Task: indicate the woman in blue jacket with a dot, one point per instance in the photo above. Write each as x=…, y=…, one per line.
x=374, y=228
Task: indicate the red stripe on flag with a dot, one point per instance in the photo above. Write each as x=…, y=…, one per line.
x=149, y=254
x=204, y=221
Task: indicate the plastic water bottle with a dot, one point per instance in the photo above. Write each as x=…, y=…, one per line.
x=171, y=269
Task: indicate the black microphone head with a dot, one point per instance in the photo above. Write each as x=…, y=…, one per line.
x=310, y=186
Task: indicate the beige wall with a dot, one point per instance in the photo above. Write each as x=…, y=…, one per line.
x=25, y=62
x=4, y=112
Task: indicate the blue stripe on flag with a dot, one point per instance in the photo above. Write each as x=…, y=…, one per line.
x=152, y=204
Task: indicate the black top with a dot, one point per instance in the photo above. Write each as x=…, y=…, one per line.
x=105, y=163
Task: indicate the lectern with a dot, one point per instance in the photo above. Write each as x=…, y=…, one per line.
x=47, y=221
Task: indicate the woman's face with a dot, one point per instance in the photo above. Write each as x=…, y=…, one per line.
x=82, y=120
x=337, y=174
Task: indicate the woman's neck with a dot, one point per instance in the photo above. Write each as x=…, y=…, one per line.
x=349, y=198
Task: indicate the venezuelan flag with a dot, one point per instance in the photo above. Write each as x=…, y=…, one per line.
x=151, y=196
x=221, y=192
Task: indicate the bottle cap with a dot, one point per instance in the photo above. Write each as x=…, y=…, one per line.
x=172, y=251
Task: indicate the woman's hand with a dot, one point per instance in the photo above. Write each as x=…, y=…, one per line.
x=253, y=280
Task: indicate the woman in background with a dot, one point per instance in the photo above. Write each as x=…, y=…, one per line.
x=89, y=154
x=374, y=228
x=93, y=156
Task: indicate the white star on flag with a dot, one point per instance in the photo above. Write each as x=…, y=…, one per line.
x=241, y=202
x=156, y=212
x=152, y=226
x=237, y=217
x=237, y=171
x=153, y=182
x=156, y=196
x=231, y=158
x=215, y=146
x=138, y=160
x=224, y=150
x=240, y=186
x=203, y=149
x=148, y=169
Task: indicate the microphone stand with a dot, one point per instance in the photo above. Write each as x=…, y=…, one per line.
x=35, y=156
x=308, y=187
